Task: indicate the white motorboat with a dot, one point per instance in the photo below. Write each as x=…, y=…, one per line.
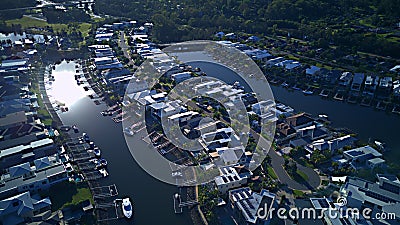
x=127, y=208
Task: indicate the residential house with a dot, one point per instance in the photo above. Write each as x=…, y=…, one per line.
x=45, y=172
x=14, y=64
x=331, y=144
x=370, y=85
x=283, y=110
x=13, y=119
x=396, y=89
x=358, y=80
x=266, y=110
x=330, y=212
x=179, y=77
x=166, y=109
x=26, y=153
x=299, y=120
x=313, y=70
x=257, y=54
x=345, y=79
x=23, y=208
x=246, y=204
x=231, y=177
x=385, y=86
x=381, y=197
x=225, y=156
x=182, y=117
x=363, y=156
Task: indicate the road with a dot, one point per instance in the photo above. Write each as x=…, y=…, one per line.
x=125, y=47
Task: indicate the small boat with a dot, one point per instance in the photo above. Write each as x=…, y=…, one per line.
x=86, y=137
x=97, y=151
x=103, y=162
x=127, y=208
x=322, y=116
x=308, y=92
x=285, y=85
x=75, y=128
x=128, y=131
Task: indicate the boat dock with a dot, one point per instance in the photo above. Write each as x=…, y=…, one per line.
x=105, y=191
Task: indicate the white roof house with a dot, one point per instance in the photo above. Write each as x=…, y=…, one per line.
x=229, y=178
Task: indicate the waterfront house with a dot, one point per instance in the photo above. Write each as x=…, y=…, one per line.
x=381, y=197
x=283, y=110
x=230, y=178
x=396, y=89
x=182, y=117
x=23, y=208
x=345, y=79
x=313, y=132
x=166, y=109
x=26, y=152
x=370, y=85
x=299, y=120
x=386, y=84
x=179, y=77
x=358, y=80
x=363, y=156
x=222, y=136
x=266, y=110
x=331, y=144
x=313, y=70
x=245, y=204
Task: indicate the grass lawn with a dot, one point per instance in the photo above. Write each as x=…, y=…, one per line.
x=302, y=175
x=271, y=173
x=27, y=22
x=298, y=194
x=67, y=194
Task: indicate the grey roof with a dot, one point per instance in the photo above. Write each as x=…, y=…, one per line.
x=20, y=148
x=248, y=202
x=42, y=163
x=362, y=151
x=13, y=209
x=41, y=175
x=363, y=190
x=19, y=170
x=358, y=78
x=13, y=118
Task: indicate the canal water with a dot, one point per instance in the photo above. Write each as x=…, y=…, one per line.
x=153, y=203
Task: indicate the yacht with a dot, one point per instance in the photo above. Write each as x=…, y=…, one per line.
x=127, y=208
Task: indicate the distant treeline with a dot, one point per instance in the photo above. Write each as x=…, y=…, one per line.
x=70, y=16
x=330, y=20
x=6, y=5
